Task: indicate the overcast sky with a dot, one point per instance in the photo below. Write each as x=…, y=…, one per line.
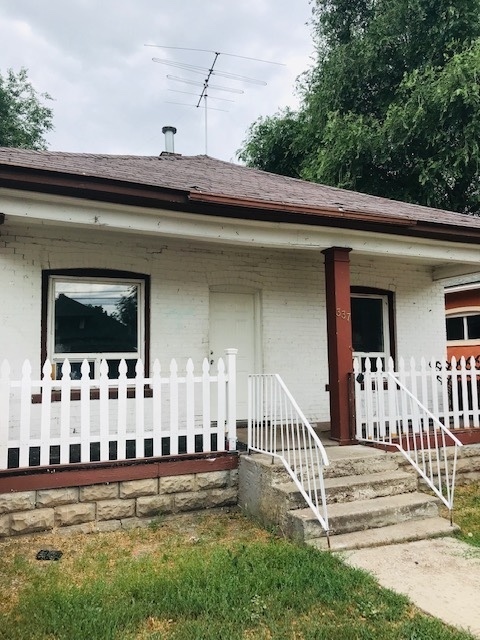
x=109, y=95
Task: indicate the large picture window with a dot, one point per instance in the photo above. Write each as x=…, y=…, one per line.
x=96, y=318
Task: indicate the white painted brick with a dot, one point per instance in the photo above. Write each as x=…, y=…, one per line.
x=292, y=286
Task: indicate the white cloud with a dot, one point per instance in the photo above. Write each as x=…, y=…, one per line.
x=110, y=97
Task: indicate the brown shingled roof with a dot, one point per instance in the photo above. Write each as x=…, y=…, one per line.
x=205, y=179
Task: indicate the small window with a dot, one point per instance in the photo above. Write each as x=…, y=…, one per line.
x=473, y=327
x=95, y=318
x=370, y=327
x=463, y=327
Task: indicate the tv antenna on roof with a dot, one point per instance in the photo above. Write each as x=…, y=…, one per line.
x=207, y=73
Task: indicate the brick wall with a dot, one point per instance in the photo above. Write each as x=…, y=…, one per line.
x=419, y=303
x=290, y=285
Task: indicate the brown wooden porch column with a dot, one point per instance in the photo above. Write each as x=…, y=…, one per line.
x=339, y=332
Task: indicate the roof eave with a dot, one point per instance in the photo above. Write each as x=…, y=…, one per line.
x=344, y=217
x=89, y=187
x=125, y=192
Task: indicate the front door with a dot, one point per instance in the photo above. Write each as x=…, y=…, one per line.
x=232, y=324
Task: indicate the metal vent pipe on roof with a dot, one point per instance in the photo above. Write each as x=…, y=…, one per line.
x=169, y=134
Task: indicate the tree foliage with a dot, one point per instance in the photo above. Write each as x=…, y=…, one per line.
x=272, y=144
x=391, y=106
x=24, y=119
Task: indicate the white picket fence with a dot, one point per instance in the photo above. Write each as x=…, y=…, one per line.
x=419, y=410
x=45, y=421
x=449, y=390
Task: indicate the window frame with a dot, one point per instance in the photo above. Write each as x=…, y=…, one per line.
x=388, y=317
x=49, y=277
x=464, y=313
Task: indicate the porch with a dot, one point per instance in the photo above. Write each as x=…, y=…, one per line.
x=135, y=434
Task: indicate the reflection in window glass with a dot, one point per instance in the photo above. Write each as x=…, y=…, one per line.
x=94, y=317
x=75, y=370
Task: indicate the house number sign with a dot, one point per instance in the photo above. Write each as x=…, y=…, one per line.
x=341, y=313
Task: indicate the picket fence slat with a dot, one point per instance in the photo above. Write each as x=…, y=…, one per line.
x=221, y=398
x=4, y=412
x=157, y=408
x=207, y=424
x=59, y=421
x=139, y=410
x=46, y=411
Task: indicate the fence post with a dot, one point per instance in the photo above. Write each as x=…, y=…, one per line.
x=231, y=358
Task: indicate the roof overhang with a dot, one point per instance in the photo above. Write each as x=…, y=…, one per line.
x=218, y=205
x=21, y=207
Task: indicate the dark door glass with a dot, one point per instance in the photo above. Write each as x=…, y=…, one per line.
x=367, y=325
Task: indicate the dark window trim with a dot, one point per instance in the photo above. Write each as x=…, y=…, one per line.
x=95, y=273
x=391, y=312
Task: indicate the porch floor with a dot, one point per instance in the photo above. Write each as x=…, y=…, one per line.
x=334, y=450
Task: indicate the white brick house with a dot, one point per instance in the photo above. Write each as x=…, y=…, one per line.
x=218, y=256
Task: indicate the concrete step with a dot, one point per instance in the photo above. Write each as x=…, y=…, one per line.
x=344, y=461
x=349, y=488
x=392, y=534
x=358, y=461
x=346, y=517
x=368, y=486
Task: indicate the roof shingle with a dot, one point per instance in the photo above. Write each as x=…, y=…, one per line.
x=205, y=175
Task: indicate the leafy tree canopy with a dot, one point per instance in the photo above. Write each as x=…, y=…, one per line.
x=24, y=119
x=391, y=106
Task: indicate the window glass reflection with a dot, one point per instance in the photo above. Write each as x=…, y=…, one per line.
x=93, y=317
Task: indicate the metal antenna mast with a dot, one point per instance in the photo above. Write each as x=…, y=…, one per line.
x=208, y=72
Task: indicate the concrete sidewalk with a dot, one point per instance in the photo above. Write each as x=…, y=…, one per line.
x=441, y=576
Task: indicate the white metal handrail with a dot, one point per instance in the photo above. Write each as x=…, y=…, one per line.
x=389, y=413
x=278, y=427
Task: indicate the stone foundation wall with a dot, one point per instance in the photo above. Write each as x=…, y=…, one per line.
x=468, y=464
x=114, y=505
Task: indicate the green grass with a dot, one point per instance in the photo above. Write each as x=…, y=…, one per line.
x=215, y=577
x=467, y=513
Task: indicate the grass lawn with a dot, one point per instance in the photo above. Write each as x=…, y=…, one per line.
x=202, y=577
x=467, y=513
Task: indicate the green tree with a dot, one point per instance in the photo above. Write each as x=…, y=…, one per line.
x=126, y=310
x=391, y=106
x=24, y=119
x=272, y=144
